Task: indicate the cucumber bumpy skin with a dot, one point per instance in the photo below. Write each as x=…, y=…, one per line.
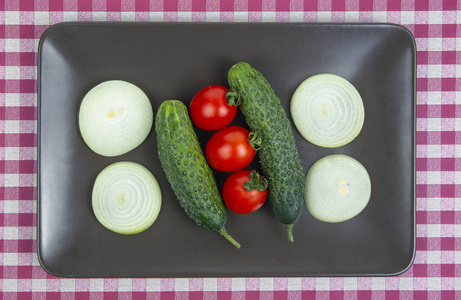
x=279, y=158
x=187, y=170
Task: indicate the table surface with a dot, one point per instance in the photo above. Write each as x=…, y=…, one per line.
x=436, y=26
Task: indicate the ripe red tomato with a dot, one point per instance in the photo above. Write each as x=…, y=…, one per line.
x=240, y=200
x=228, y=150
x=209, y=109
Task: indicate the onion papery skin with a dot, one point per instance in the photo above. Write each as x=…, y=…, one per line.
x=338, y=188
x=327, y=110
x=126, y=198
x=115, y=117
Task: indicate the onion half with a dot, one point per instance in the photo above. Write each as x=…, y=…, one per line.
x=126, y=198
x=338, y=188
x=115, y=117
x=327, y=110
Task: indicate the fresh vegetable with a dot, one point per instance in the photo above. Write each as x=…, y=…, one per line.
x=231, y=149
x=279, y=158
x=244, y=191
x=327, y=110
x=338, y=188
x=209, y=109
x=115, y=117
x=126, y=198
x=186, y=169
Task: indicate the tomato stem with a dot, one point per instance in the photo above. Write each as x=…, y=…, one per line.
x=233, y=98
x=255, y=140
x=256, y=182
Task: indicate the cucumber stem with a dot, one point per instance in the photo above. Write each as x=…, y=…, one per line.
x=290, y=232
x=228, y=237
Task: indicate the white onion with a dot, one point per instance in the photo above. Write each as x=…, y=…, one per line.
x=126, y=198
x=327, y=110
x=338, y=188
x=115, y=117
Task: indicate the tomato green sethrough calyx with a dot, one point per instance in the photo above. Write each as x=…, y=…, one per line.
x=256, y=182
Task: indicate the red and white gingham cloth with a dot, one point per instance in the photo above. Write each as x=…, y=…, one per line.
x=436, y=273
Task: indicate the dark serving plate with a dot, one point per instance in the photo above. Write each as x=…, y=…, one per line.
x=174, y=61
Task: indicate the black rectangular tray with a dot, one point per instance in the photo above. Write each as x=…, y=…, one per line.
x=176, y=60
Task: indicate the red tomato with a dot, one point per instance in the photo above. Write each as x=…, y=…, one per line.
x=209, y=109
x=229, y=150
x=240, y=200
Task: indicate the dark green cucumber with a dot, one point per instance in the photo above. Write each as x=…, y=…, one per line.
x=279, y=158
x=187, y=170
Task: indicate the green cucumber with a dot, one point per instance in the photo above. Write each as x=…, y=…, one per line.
x=279, y=158
x=187, y=170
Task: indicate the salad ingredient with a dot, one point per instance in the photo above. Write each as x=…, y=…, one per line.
x=126, y=198
x=244, y=191
x=279, y=158
x=209, y=109
x=327, y=110
x=187, y=170
x=231, y=149
x=115, y=117
x=338, y=188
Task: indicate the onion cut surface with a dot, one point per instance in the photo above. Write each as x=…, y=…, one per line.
x=126, y=198
x=327, y=110
x=338, y=188
x=115, y=117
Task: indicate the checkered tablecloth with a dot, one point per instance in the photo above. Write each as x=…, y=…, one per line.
x=436, y=26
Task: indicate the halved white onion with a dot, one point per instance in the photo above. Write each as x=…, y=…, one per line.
x=126, y=198
x=327, y=110
x=338, y=188
x=115, y=117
